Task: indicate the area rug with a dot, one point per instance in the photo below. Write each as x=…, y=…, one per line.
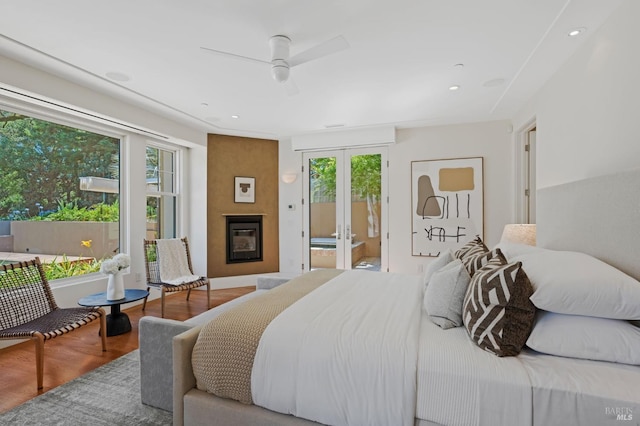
x=108, y=395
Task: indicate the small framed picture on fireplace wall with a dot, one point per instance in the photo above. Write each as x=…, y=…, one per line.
x=245, y=189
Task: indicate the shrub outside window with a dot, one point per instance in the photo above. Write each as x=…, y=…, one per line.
x=59, y=195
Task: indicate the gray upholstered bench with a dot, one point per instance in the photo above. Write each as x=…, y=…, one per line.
x=156, y=360
x=156, y=337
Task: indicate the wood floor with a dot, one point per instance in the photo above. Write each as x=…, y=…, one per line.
x=79, y=352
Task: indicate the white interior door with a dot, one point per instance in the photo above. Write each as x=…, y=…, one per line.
x=345, y=209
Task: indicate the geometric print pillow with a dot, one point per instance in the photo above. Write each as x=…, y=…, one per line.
x=473, y=247
x=497, y=312
x=477, y=261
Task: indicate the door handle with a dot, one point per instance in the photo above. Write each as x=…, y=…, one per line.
x=338, y=234
x=347, y=232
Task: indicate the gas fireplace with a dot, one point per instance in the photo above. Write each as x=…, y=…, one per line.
x=244, y=239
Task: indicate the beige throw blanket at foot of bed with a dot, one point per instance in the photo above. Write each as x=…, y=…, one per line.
x=223, y=356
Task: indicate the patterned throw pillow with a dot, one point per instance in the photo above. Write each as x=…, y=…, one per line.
x=497, y=312
x=477, y=261
x=471, y=248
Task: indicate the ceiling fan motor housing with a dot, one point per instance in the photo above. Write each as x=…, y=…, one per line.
x=279, y=57
x=280, y=70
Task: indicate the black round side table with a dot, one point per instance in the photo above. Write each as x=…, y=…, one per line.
x=117, y=321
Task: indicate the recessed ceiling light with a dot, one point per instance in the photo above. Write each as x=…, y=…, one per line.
x=459, y=66
x=117, y=76
x=204, y=104
x=454, y=87
x=235, y=116
x=576, y=32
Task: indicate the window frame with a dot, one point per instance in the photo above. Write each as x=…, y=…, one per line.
x=177, y=152
x=58, y=115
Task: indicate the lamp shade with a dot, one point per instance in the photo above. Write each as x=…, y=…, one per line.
x=520, y=233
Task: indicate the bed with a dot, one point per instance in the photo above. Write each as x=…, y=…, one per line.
x=390, y=362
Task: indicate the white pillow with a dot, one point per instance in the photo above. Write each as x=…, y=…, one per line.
x=441, y=261
x=445, y=293
x=575, y=336
x=511, y=250
x=574, y=283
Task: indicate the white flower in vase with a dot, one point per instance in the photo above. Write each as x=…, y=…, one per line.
x=116, y=264
x=112, y=268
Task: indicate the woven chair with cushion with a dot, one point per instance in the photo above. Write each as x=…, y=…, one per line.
x=29, y=311
x=152, y=260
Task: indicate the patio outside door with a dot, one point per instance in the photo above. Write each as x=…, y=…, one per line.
x=345, y=218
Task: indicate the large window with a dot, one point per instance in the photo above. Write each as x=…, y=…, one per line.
x=162, y=192
x=59, y=195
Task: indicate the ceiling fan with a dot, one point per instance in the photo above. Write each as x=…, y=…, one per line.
x=281, y=62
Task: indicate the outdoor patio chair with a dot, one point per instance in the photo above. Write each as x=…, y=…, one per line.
x=153, y=266
x=29, y=311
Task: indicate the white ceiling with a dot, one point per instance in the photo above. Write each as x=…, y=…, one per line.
x=397, y=70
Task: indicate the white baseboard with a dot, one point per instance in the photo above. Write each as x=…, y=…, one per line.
x=232, y=282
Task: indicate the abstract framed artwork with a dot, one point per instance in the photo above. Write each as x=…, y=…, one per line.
x=447, y=204
x=245, y=189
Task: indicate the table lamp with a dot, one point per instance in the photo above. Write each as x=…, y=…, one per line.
x=520, y=233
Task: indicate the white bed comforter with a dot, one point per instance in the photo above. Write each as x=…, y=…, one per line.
x=345, y=354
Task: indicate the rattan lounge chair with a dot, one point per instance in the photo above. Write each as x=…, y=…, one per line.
x=153, y=275
x=29, y=311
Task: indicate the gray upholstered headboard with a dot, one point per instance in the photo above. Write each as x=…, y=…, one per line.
x=599, y=216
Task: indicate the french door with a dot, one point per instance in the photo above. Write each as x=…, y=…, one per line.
x=345, y=209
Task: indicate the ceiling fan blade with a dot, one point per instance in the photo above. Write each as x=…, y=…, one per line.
x=233, y=55
x=328, y=47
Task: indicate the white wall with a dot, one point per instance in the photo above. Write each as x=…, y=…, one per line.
x=290, y=221
x=587, y=113
x=490, y=140
x=194, y=203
